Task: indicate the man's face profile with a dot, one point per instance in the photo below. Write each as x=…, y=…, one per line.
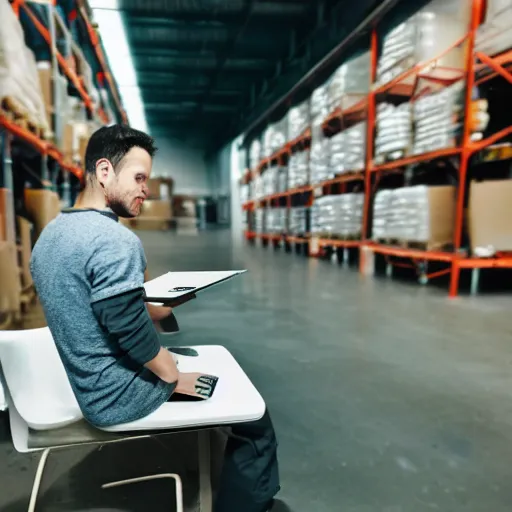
x=126, y=187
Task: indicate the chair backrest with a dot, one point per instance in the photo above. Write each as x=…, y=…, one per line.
x=36, y=380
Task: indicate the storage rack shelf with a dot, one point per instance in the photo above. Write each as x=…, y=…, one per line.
x=45, y=147
x=479, y=68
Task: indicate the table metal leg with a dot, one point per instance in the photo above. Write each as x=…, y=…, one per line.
x=205, y=483
x=475, y=280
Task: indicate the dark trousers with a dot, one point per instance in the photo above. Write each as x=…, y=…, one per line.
x=250, y=474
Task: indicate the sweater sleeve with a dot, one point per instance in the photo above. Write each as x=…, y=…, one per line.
x=126, y=319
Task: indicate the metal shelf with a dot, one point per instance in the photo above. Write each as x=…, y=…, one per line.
x=478, y=69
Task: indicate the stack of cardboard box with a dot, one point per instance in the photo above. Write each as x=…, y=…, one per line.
x=185, y=211
x=43, y=206
x=14, y=267
x=156, y=211
x=490, y=217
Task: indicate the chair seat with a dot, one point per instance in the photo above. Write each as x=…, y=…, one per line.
x=234, y=400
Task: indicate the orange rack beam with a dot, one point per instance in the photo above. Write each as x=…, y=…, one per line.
x=42, y=146
x=329, y=242
x=72, y=76
x=414, y=254
x=425, y=157
x=478, y=69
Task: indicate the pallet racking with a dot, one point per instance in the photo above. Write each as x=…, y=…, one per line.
x=10, y=130
x=478, y=69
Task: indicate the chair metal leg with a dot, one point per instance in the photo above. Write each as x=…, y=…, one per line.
x=37, y=480
x=173, y=476
x=205, y=482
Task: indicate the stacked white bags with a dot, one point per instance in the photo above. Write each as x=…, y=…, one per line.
x=298, y=169
x=297, y=221
x=394, y=131
x=350, y=82
x=19, y=79
x=298, y=120
x=259, y=220
x=255, y=153
x=417, y=214
x=276, y=221
x=435, y=119
x=339, y=215
x=319, y=156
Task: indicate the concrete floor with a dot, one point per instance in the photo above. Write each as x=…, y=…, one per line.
x=386, y=397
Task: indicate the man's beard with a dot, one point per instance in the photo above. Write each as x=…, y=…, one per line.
x=119, y=208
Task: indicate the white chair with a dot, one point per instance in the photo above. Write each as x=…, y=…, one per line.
x=40, y=401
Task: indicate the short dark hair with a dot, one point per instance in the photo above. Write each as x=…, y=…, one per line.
x=112, y=143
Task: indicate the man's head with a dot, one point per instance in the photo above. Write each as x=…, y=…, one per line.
x=118, y=160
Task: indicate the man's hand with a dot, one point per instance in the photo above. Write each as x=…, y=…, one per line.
x=158, y=313
x=173, y=303
x=198, y=385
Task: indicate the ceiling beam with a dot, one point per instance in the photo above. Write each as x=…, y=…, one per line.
x=217, y=11
x=193, y=61
x=263, y=48
x=228, y=51
x=156, y=90
x=187, y=106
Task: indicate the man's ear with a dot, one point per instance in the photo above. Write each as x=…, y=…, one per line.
x=103, y=171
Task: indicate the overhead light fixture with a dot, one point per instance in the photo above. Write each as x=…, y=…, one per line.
x=113, y=35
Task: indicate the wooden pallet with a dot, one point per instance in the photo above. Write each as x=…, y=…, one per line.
x=411, y=244
x=345, y=238
x=12, y=109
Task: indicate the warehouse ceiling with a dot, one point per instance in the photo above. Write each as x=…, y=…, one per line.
x=204, y=67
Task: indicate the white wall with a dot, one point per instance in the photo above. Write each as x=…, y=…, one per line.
x=185, y=165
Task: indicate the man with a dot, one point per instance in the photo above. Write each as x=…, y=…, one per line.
x=88, y=270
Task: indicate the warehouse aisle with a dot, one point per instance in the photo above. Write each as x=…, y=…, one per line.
x=386, y=397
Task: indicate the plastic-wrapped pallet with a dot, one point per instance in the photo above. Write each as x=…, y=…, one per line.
x=424, y=36
x=282, y=179
x=269, y=177
x=297, y=221
x=259, y=220
x=319, y=154
x=244, y=193
x=19, y=82
x=355, y=147
x=394, y=131
x=350, y=82
x=435, y=119
x=319, y=106
x=266, y=147
x=337, y=155
x=495, y=35
x=255, y=154
x=298, y=169
x=298, y=120
x=276, y=220
x=280, y=135
x=339, y=215
x=258, y=187
x=381, y=208
x=421, y=213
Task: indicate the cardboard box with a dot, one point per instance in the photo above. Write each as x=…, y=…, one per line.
x=10, y=291
x=490, y=217
x=441, y=211
x=43, y=206
x=156, y=208
x=25, y=251
x=184, y=206
x=8, y=228
x=151, y=224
